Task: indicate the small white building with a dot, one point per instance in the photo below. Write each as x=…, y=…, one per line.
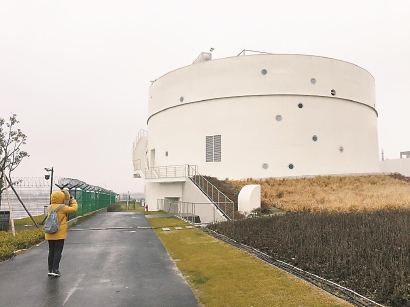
x=259, y=116
x=401, y=165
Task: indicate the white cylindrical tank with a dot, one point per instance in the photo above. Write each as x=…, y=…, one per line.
x=265, y=116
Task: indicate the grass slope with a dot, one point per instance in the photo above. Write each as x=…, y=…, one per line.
x=332, y=193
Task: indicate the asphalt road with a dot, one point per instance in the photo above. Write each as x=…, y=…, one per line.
x=105, y=263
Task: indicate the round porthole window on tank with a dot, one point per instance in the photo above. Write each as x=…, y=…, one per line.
x=341, y=149
x=181, y=99
x=278, y=118
x=264, y=71
x=166, y=154
x=265, y=165
x=314, y=138
x=290, y=166
x=313, y=80
x=300, y=105
x=333, y=92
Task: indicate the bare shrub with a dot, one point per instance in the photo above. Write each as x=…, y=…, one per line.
x=368, y=252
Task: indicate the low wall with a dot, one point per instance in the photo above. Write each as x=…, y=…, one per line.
x=401, y=166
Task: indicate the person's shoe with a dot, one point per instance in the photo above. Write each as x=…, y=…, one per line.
x=55, y=273
x=49, y=273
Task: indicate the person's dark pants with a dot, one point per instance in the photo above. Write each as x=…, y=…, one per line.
x=55, y=250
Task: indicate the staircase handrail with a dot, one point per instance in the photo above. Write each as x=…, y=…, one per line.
x=194, y=176
x=140, y=134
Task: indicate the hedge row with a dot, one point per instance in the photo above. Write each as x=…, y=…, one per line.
x=23, y=239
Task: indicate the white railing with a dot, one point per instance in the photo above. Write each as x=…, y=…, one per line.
x=188, y=211
x=138, y=156
x=170, y=171
x=140, y=134
x=137, y=164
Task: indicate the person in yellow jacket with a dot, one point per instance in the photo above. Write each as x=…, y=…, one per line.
x=56, y=240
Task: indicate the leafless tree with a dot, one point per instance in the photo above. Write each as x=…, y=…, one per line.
x=11, y=155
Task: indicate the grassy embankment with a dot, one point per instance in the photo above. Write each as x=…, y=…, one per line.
x=332, y=193
x=221, y=275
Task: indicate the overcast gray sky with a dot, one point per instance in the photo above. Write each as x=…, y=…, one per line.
x=77, y=72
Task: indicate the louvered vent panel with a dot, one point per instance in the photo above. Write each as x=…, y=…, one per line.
x=209, y=149
x=217, y=148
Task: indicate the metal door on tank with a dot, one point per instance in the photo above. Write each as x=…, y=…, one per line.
x=171, y=204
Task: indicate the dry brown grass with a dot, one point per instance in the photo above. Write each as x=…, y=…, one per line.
x=332, y=193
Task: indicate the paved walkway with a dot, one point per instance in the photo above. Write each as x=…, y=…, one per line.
x=112, y=259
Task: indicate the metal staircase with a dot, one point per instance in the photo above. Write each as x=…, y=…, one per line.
x=222, y=202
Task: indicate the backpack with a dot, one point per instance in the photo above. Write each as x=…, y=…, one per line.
x=51, y=225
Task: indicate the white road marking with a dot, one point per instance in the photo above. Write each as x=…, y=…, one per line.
x=73, y=289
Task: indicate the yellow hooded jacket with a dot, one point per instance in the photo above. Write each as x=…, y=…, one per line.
x=58, y=198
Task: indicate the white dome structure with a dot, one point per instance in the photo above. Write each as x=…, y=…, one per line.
x=264, y=115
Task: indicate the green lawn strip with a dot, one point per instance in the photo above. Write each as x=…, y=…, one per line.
x=28, y=221
x=167, y=222
x=155, y=212
x=221, y=275
x=132, y=208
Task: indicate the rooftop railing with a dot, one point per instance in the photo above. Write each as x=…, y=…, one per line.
x=170, y=171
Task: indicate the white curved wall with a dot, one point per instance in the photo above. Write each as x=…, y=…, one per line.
x=138, y=154
x=232, y=98
x=249, y=198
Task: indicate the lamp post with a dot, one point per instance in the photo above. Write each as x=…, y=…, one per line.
x=128, y=198
x=47, y=176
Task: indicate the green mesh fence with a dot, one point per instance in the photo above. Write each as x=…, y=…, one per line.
x=89, y=201
x=89, y=198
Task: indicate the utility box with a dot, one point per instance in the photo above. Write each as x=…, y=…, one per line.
x=4, y=220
